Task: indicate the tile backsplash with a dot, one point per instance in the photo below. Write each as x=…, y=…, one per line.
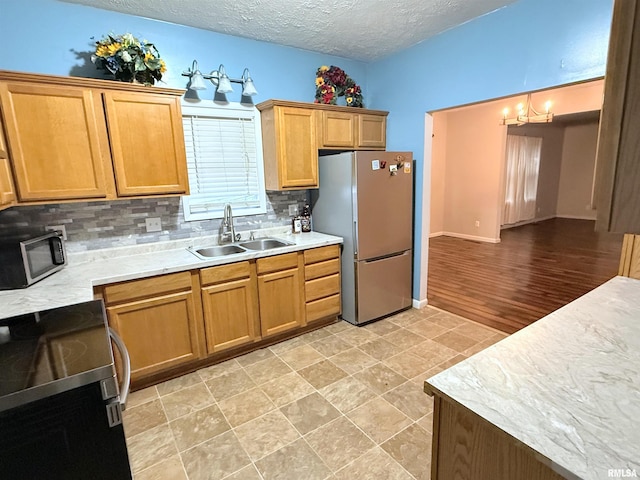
x=96, y=225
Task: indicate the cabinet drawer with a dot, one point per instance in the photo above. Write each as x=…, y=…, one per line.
x=323, y=308
x=321, y=269
x=322, y=287
x=225, y=273
x=277, y=262
x=320, y=254
x=121, y=292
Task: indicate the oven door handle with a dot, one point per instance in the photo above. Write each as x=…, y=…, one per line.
x=126, y=361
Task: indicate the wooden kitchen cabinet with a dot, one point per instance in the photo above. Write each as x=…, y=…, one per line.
x=159, y=321
x=7, y=192
x=372, y=131
x=293, y=132
x=353, y=131
x=230, y=306
x=618, y=158
x=280, y=292
x=322, y=283
x=337, y=130
x=55, y=140
x=72, y=139
x=149, y=159
x=289, y=147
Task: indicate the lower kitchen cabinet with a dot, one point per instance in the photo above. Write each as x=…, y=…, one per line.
x=280, y=289
x=158, y=320
x=230, y=306
x=322, y=282
x=175, y=323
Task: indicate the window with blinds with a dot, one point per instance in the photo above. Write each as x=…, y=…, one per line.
x=224, y=160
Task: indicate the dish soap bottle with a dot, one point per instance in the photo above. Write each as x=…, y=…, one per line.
x=305, y=219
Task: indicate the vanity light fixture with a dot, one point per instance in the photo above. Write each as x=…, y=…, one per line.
x=220, y=79
x=527, y=114
x=196, y=80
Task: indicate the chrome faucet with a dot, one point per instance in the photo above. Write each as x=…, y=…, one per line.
x=227, y=232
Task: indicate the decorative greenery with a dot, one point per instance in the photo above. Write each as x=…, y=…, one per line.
x=129, y=59
x=332, y=82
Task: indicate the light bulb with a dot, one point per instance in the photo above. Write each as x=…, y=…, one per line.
x=547, y=106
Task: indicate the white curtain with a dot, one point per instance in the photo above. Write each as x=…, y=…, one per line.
x=523, y=163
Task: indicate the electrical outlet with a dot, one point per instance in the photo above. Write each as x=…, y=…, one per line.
x=61, y=228
x=293, y=210
x=477, y=223
x=153, y=224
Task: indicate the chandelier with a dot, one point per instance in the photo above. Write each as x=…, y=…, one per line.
x=525, y=113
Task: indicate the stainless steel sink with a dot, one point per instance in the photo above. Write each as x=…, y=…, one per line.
x=217, y=251
x=264, y=244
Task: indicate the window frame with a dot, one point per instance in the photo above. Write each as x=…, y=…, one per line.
x=209, y=108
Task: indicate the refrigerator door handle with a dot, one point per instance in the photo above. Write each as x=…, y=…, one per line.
x=399, y=254
x=355, y=239
x=126, y=366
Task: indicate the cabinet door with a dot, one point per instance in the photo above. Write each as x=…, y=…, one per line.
x=159, y=332
x=338, y=130
x=297, y=148
x=229, y=314
x=372, y=131
x=54, y=135
x=7, y=193
x=147, y=143
x=280, y=302
x=3, y=143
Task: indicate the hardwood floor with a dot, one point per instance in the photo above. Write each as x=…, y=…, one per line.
x=536, y=269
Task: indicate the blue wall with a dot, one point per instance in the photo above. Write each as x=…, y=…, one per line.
x=529, y=45
x=48, y=36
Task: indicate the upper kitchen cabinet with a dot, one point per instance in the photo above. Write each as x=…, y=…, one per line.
x=73, y=138
x=7, y=192
x=293, y=132
x=150, y=158
x=289, y=146
x=353, y=131
x=618, y=158
x=54, y=139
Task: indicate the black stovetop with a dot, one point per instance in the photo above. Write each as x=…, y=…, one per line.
x=51, y=351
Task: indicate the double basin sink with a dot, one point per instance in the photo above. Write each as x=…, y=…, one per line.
x=241, y=247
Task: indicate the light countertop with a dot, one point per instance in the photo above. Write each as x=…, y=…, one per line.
x=75, y=282
x=568, y=385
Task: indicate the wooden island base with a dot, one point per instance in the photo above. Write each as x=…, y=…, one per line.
x=467, y=447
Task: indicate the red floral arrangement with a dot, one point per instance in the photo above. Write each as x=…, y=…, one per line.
x=332, y=82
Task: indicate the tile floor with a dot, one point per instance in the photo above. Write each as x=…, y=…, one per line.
x=342, y=402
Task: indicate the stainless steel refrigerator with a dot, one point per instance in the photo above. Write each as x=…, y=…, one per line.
x=366, y=197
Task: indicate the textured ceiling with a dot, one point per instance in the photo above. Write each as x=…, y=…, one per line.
x=359, y=29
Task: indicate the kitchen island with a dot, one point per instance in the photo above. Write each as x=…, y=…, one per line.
x=558, y=399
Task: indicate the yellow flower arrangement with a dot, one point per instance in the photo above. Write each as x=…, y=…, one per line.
x=129, y=59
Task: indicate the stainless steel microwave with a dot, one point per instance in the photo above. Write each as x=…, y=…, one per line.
x=23, y=262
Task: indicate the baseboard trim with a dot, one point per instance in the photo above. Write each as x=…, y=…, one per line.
x=419, y=303
x=471, y=237
x=436, y=234
x=526, y=222
x=576, y=217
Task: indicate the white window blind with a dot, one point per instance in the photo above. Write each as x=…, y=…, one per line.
x=224, y=160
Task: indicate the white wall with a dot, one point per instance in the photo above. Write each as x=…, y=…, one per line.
x=576, y=174
x=475, y=149
x=438, y=170
x=468, y=158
